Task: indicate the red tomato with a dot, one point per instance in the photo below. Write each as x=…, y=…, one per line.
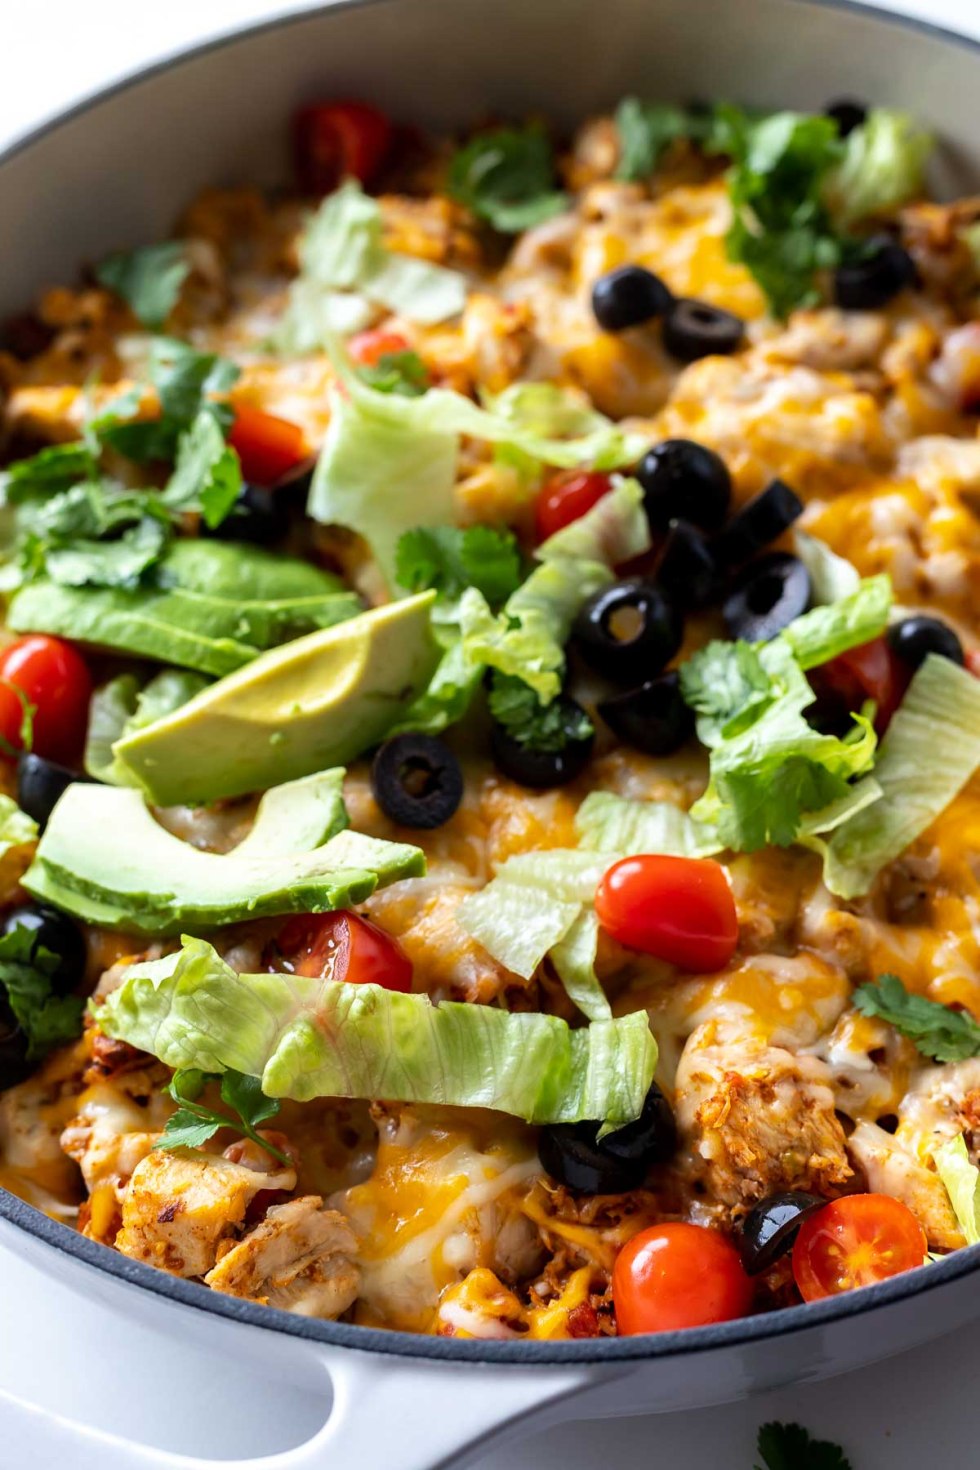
x=368, y=348
x=855, y=1241
x=54, y=678
x=338, y=140
x=679, y=909
x=343, y=946
x=678, y=1275
x=268, y=446
x=870, y=671
x=973, y=661
x=566, y=497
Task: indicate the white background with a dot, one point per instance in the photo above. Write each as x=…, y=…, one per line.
x=919, y=1410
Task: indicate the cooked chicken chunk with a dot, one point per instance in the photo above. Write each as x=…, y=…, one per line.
x=116, y=1125
x=300, y=1258
x=891, y=1169
x=180, y=1206
x=759, y=1117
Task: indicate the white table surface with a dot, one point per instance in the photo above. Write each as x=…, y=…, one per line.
x=920, y=1409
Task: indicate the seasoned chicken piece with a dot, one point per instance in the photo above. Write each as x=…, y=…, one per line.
x=300, y=1258
x=891, y=1169
x=178, y=1208
x=760, y=1118
x=942, y=1102
x=116, y=1124
x=829, y=340
x=498, y=338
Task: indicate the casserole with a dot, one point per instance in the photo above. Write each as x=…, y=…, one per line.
x=700, y=1366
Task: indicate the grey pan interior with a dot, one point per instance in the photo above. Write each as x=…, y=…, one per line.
x=116, y=170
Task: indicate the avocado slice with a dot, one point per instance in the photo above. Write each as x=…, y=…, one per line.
x=213, y=607
x=147, y=881
x=316, y=702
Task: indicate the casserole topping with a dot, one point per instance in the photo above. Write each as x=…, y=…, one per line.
x=490, y=727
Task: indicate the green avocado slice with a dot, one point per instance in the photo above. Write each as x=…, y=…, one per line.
x=316, y=702
x=214, y=606
x=145, y=880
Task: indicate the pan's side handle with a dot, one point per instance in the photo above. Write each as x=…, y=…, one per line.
x=386, y=1413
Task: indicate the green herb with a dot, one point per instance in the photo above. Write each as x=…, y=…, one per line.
x=397, y=372
x=95, y=534
x=450, y=560
x=536, y=726
x=207, y=476
x=938, y=1031
x=26, y=970
x=186, y=383
x=25, y=731
x=58, y=467
x=647, y=129
x=148, y=280
x=790, y=1447
x=507, y=177
x=193, y=1124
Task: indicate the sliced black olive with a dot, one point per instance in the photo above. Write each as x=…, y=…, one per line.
x=694, y=329
x=628, y=297
x=866, y=284
x=653, y=718
x=771, y=1226
x=58, y=934
x=847, y=114
x=769, y=594
x=259, y=516
x=759, y=522
x=573, y=1154
x=40, y=786
x=544, y=769
x=13, y=1048
x=914, y=638
x=686, y=569
x=684, y=480
x=628, y=631
x=417, y=781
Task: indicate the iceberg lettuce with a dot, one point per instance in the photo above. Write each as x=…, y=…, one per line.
x=962, y=1181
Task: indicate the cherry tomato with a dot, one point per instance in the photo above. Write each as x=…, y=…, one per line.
x=268, y=446
x=870, y=671
x=338, y=140
x=343, y=946
x=973, y=661
x=855, y=1241
x=566, y=497
x=679, y=909
x=368, y=348
x=678, y=1275
x=54, y=678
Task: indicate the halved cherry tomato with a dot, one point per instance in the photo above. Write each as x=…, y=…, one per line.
x=368, y=348
x=343, y=946
x=268, y=446
x=338, y=140
x=855, y=1241
x=679, y=909
x=678, y=1275
x=870, y=671
x=566, y=497
x=53, y=678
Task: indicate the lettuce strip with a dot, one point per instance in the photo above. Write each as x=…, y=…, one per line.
x=308, y=1038
x=962, y=1181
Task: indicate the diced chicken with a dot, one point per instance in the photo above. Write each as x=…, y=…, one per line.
x=891, y=1169
x=112, y=1131
x=760, y=1118
x=179, y=1207
x=498, y=338
x=829, y=340
x=941, y=1104
x=300, y=1258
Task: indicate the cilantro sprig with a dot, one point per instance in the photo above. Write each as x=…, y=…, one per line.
x=148, y=280
x=791, y=1447
x=547, y=728
x=507, y=177
x=450, y=560
x=27, y=969
x=938, y=1031
x=193, y=1123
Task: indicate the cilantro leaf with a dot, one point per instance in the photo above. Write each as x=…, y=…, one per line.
x=56, y=468
x=507, y=177
x=646, y=130
x=536, y=726
x=790, y=1447
x=397, y=372
x=725, y=681
x=938, y=1031
x=450, y=560
x=193, y=1124
x=95, y=534
x=186, y=382
x=148, y=280
x=207, y=475
x=26, y=970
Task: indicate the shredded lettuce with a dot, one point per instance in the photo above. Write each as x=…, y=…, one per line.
x=307, y=1038
x=824, y=632
x=614, y=824
x=930, y=751
x=962, y=1181
x=831, y=576
x=883, y=167
x=17, y=829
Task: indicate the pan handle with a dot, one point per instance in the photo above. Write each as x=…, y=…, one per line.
x=386, y=1413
